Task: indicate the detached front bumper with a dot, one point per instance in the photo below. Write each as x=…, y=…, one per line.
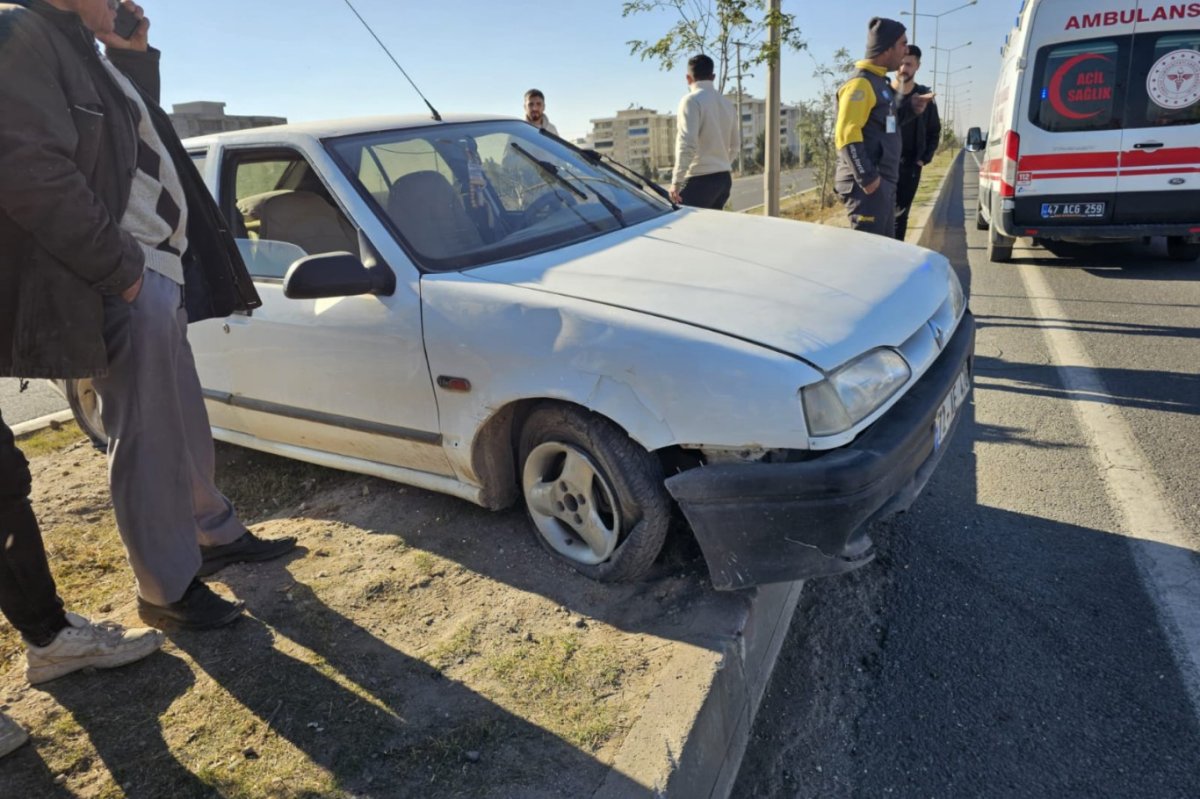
x=763, y=523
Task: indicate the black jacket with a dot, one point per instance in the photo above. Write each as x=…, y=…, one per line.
x=68, y=151
x=921, y=133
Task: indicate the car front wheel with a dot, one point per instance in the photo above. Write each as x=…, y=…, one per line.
x=595, y=497
x=85, y=405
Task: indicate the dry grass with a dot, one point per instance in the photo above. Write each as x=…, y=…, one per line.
x=387, y=659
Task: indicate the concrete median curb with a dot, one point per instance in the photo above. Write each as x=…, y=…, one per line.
x=693, y=730
x=22, y=429
x=928, y=226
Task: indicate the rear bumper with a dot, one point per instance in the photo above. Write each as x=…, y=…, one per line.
x=1096, y=232
x=775, y=522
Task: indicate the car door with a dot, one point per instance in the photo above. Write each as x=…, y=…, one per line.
x=345, y=377
x=1069, y=150
x=1160, y=151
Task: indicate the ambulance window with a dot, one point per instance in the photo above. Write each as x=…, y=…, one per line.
x=1079, y=86
x=1166, y=80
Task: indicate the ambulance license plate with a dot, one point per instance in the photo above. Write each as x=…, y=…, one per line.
x=1073, y=210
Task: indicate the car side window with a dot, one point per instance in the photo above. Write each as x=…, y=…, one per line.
x=284, y=212
x=1080, y=86
x=1166, y=86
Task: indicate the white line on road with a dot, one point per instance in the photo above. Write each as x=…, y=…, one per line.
x=1160, y=543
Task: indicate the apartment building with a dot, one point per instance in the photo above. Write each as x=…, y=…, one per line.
x=637, y=137
x=203, y=117
x=754, y=122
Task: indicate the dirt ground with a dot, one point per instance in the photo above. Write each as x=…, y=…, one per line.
x=414, y=646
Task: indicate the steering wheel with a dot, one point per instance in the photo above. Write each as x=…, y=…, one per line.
x=544, y=206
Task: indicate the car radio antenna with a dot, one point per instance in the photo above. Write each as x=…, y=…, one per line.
x=436, y=115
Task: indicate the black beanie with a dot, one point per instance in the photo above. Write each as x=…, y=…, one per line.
x=882, y=34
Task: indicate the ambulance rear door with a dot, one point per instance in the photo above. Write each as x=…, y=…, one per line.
x=1159, y=181
x=1071, y=135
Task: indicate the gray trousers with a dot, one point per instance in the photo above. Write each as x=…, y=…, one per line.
x=160, y=449
x=873, y=213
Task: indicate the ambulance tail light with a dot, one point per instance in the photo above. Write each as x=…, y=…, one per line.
x=1008, y=167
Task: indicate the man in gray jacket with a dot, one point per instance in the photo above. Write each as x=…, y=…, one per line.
x=103, y=222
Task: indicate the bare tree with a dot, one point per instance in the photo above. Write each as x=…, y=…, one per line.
x=818, y=120
x=712, y=27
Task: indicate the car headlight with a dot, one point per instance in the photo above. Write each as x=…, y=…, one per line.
x=958, y=300
x=853, y=392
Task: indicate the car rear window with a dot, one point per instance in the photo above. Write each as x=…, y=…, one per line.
x=1080, y=86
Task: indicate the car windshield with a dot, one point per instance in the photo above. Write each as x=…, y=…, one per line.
x=465, y=195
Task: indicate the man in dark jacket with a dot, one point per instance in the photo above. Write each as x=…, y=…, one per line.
x=920, y=133
x=103, y=223
x=866, y=135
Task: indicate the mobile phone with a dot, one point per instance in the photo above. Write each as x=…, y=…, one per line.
x=126, y=23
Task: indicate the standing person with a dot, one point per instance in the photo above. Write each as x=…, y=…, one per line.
x=103, y=221
x=867, y=136
x=920, y=133
x=56, y=642
x=535, y=111
x=706, y=141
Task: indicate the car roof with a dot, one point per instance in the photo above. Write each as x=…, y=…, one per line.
x=325, y=129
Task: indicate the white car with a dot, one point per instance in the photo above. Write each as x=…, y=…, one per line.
x=477, y=308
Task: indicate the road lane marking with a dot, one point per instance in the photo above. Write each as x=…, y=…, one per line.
x=1161, y=548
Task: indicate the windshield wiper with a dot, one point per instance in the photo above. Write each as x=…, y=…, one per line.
x=552, y=171
x=627, y=173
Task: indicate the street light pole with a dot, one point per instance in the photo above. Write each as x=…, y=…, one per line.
x=771, y=139
x=937, y=25
x=741, y=145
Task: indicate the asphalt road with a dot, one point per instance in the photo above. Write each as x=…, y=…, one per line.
x=748, y=191
x=1010, y=640
x=37, y=400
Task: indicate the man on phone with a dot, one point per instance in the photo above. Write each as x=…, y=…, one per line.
x=103, y=222
x=920, y=133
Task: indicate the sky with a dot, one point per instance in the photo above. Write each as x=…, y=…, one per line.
x=312, y=59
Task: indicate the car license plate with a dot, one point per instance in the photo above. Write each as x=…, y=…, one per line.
x=954, y=400
x=1073, y=210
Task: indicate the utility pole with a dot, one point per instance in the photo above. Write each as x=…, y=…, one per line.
x=913, y=40
x=771, y=138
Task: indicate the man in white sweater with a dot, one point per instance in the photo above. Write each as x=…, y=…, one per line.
x=707, y=141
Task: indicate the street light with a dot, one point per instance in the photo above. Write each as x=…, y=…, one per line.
x=937, y=20
x=949, y=51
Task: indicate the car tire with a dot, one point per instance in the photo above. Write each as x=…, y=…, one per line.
x=1180, y=249
x=981, y=222
x=999, y=247
x=85, y=405
x=596, y=498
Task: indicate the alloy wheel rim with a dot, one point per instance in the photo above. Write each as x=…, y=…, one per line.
x=572, y=503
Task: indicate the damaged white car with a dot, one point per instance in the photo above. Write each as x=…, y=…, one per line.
x=476, y=308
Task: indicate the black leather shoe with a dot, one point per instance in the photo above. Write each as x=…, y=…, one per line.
x=199, y=609
x=246, y=549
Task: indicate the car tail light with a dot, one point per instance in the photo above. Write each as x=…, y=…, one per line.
x=1008, y=167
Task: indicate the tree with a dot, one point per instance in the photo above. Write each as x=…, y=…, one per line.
x=818, y=120
x=712, y=27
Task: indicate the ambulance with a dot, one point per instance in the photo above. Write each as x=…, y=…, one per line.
x=1095, y=128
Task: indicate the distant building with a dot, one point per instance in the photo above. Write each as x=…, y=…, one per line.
x=637, y=138
x=204, y=117
x=754, y=122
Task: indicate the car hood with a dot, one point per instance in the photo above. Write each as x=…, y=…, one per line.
x=820, y=293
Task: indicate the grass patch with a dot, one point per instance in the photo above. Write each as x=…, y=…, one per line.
x=462, y=644
x=425, y=563
x=55, y=438
x=561, y=680
x=259, y=484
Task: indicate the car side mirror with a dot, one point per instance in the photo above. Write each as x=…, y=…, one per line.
x=974, y=140
x=334, y=274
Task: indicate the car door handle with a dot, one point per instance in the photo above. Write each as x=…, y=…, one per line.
x=1148, y=145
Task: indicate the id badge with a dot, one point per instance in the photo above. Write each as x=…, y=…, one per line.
x=891, y=123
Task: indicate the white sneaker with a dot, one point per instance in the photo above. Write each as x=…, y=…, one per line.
x=11, y=735
x=103, y=646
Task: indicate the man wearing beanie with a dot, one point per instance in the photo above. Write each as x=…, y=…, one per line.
x=867, y=136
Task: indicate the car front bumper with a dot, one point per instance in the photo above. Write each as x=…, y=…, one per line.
x=761, y=523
